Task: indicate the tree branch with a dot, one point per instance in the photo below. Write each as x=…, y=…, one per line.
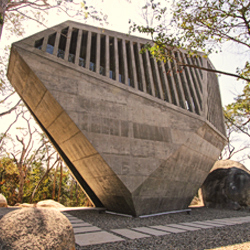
x=238, y=127
x=213, y=70
x=10, y=110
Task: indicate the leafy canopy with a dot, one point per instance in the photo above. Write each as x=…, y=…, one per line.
x=200, y=25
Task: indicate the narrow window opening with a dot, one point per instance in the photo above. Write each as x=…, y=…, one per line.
x=62, y=43
x=169, y=73
x=111, y=58
x=189, y=85
x=82, y=57
x=195, y=61
x=39, y=43
x=191, y=90
x=92, y=63
x=177, y=84
x=102, y=55
x=163, y=83
x=153, y=68
x=195, y=82
x=138, y=70
x=146, y=72
x=121, y=62
x=73, y=44
x=188, y=105
x=129, y=61
x=51, y=43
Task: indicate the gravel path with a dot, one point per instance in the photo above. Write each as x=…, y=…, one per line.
x=195, y=240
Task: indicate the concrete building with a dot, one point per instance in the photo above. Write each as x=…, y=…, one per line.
x=139, y=136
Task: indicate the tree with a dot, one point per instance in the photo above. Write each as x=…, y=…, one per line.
x=28, y=154
x=23, y=153
x=200, y=26
x=237, y=120
x=8, y=179
x=15, y=11
x=49, y=155
x=205, y=26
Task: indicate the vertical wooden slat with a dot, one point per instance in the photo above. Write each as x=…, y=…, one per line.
x=173, y=85
x=158, y=79
x=150, y=75
x=191, y=86
x=88, y=50
x=66, y=56
x=141, y=68
x=178, y=84
x=195, y=83
x=45, y=41
x=205, y=90
x=165, y=81
x=98, y=52
x=116, y=55
x=125, y=62
x=198, y=74
x=131, y=48
x=185, y=86
x=107, y=56
x=58, y=35
x=78, y=47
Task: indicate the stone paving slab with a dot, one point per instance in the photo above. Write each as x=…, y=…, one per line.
x=83, y=224
x=72, y=218
x=225, y=222
x=85, y=229
x=96, y=238
x=184, y=227
x=195, y=224
x=169, y=229
x=241, y=219
x=75, y=221
x=233, y=222
x=150, y=231
x=211, y=223
x=130, y=234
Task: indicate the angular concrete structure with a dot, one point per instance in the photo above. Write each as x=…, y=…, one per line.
x=139, y=136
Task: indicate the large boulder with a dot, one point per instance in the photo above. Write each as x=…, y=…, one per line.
x=227, y=186
x=226, y=164
x=36, y=228
x=3, y=201
x=50, y=203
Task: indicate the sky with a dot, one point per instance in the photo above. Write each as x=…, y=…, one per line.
x=119, y=12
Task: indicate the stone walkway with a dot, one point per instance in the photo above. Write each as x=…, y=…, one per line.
x=87, y=234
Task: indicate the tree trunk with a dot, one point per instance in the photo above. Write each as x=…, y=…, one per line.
x=38, y=184
x=21, y=185
x=3, y=6
x=60, y=183
x=71, y=193
x=54, y=184
x=76, y=195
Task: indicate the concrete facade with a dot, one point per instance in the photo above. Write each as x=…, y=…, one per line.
x=138, y=139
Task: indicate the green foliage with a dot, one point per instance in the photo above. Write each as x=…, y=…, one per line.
x=206, y=24
x=200, y=26
x=8, y=179
x=238, y=112
x=71, y=194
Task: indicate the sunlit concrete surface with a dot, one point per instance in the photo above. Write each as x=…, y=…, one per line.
x=140, y=136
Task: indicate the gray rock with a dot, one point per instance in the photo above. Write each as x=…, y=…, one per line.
x=3, y=201
x=227, y=187
x=36, y=228
x=50, y=203
x=229, y=164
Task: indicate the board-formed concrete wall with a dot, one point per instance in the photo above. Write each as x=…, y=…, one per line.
x=137, y=145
